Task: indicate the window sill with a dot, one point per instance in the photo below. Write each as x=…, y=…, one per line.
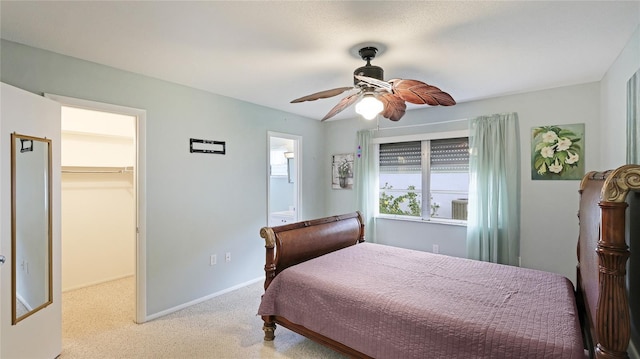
x=445, y=221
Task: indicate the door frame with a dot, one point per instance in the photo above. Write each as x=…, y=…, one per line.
x=297, y=150
x=140, y=190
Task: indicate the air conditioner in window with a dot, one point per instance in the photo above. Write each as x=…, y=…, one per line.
x=459, y=208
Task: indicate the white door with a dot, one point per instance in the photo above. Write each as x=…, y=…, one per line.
x=38, y=335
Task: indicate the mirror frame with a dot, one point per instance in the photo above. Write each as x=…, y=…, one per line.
x=14, y=318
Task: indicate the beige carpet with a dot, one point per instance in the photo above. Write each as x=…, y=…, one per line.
x=97, y=322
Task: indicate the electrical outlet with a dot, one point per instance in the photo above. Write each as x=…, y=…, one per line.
x=436, y=248
x=213, y=260
x=227, y=257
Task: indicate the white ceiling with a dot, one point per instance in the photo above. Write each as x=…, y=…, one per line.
x=269, y=53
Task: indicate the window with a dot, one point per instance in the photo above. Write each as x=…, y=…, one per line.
x=425, y=178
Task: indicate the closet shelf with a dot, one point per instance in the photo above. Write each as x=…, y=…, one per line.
x=96, y=169
x=107, y=136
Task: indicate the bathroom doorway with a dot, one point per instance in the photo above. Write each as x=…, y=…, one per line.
x=284, y=178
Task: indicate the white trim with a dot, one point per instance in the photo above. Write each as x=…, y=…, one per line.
x=141, y=191
x=445, y=221
x=93, y=105
x=98, y=282
x=203, y=299
x=421, y=136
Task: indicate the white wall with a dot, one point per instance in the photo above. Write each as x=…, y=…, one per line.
x=88, y=150
x=98, y=208
x=549, y=225
x=197, y=204
x=613, y=97
x=98, y=228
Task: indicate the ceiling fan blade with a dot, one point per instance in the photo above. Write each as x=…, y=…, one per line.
x=375, y=82
x=323, y=94
x=344, y=103
x=394, y=106
x=420, y=93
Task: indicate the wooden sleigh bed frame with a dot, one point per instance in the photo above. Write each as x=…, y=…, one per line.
x=601, y=293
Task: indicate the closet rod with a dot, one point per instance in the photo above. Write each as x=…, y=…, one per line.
x=123, y=170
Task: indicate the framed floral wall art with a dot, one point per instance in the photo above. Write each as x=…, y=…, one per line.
x=342, y=171
x=557, y=152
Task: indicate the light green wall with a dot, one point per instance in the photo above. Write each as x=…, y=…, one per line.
x=197, y=204
x=614, y=104
x=549, y=225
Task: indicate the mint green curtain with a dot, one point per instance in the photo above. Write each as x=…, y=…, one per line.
x=633, y=119
x=365, y=183
x=493, y=223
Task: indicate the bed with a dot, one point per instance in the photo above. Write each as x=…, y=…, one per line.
x=372, y=301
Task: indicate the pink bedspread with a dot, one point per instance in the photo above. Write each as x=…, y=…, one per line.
x=389, y=302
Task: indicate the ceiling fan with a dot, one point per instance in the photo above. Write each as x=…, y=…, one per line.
x=378, y=96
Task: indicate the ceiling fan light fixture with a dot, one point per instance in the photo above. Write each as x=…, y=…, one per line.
x=376, y=96
x=369, y=106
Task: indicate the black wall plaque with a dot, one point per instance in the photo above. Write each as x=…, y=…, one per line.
x=206, y=146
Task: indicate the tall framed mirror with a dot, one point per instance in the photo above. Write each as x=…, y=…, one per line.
x=31, y=221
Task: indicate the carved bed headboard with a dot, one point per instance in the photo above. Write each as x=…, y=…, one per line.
x=335, y=232
x=602, y=258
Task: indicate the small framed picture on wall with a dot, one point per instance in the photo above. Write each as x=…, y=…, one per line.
x=557, y=152
x=342, y=171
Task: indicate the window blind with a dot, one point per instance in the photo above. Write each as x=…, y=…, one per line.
x=401, y=157
x=450, y=155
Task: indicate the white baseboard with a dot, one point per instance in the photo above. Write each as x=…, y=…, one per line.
x=97, y=282
x=200, y=300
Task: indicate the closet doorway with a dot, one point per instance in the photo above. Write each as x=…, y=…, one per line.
x=102, y=192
